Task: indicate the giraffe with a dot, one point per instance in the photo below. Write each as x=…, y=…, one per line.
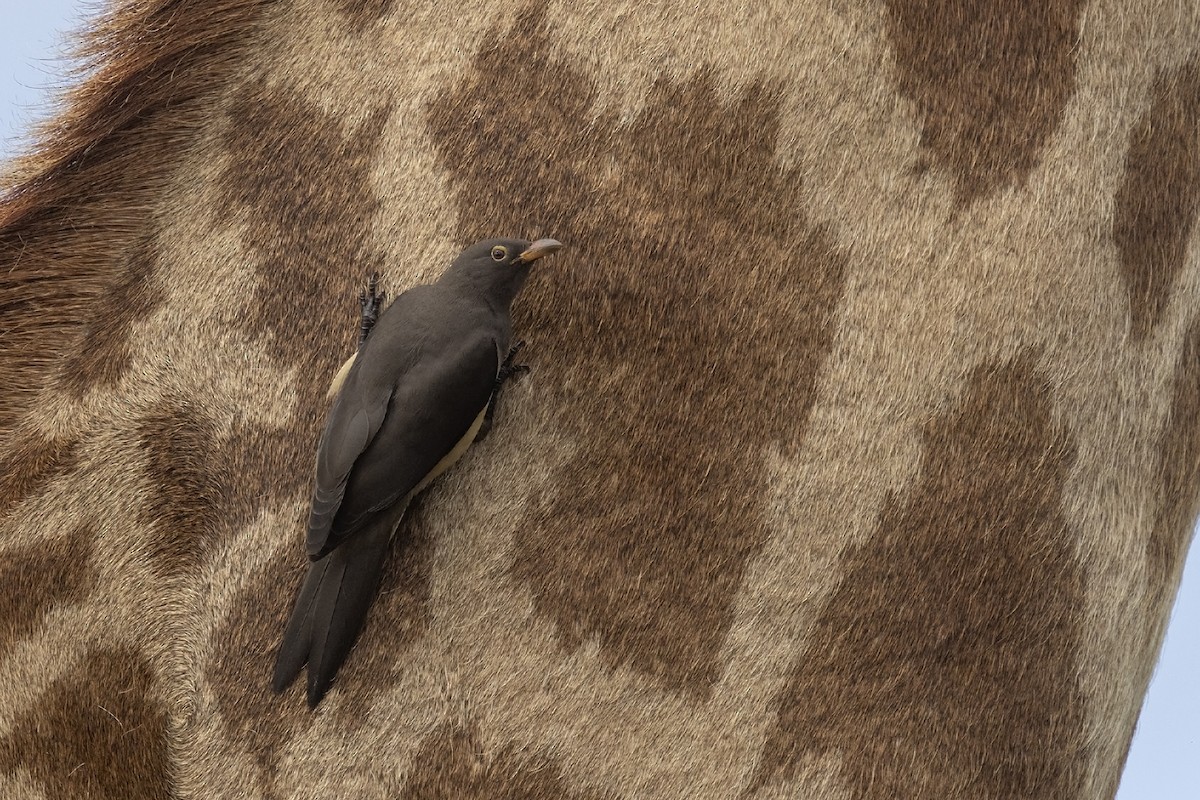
x=858, y=458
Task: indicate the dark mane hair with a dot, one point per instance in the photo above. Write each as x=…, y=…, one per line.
x=80, y=201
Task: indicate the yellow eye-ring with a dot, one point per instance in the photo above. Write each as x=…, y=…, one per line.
x=499, y=253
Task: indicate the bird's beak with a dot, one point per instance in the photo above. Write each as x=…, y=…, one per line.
x=542, y=247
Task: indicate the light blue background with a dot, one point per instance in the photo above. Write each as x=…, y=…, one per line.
x=1164, y=762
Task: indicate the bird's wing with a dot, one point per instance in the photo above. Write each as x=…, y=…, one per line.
x=354, y=421
x=384, y=450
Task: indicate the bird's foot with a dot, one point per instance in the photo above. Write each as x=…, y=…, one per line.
x=507, y=370
x=370, y=303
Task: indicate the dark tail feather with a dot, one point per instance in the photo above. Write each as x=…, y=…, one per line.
x=346, y=592
x=297, y=638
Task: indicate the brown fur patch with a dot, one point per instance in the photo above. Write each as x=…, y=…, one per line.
x=680, y=337
x=302, y=182
x=1179, y=450
x=303, y=186
x=990, y=79
x=248, y=637
x=451, y=764
x=1157, y=203
x=41, y=576
x=185, y=486
x=96, y=733
x=31, y=464
x=363, y=13
x=102, y=356
x=244, y=655
x=74, y=209
x=944, y=663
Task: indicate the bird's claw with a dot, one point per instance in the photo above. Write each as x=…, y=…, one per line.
x=371, y=300
x=370, y=303
x=508, y=368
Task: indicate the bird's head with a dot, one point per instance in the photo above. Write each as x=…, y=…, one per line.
x=499, y=267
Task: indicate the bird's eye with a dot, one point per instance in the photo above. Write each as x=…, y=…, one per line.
x=499, y=253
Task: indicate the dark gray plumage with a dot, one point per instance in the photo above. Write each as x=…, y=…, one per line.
x=411, y=403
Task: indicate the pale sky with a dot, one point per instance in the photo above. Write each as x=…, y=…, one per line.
x=1164, y=761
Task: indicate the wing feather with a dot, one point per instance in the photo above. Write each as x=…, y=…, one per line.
x=376, y=452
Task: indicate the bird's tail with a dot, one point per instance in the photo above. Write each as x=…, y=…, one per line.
x=330, y=610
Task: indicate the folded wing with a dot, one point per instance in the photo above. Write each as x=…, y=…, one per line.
x=376, y=451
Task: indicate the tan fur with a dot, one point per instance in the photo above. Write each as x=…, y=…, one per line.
x=858, y=458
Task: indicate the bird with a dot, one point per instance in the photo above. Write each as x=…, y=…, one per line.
x=420, y=389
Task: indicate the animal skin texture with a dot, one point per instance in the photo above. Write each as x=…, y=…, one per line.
x=858, y=458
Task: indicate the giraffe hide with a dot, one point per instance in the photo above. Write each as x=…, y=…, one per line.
x=859, y=457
